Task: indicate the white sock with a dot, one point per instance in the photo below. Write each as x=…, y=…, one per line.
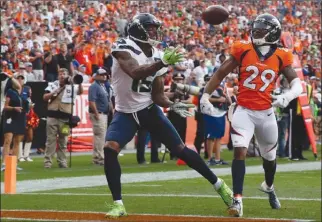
x=27, y=150
x=239, y=198
x=267, y=187
x=118, y=202
x=20, y=154
x=217, y=160
x=218, y=184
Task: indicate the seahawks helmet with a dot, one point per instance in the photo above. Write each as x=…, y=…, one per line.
x=139, y=29
x=266, y=30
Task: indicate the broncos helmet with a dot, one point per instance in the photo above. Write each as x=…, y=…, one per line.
x=266, y=30
x=139, y=29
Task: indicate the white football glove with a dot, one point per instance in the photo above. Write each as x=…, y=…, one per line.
x=280, y=101
x=207, y=108
x=181, y=109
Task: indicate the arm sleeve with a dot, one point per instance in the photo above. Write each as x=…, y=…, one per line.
x=287, y=59
x=52, y=86
x=10, y=93
x=8, y=86
x=237, y=50
x=92, y=93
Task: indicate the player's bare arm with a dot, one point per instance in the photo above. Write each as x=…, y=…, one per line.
x=131, y=67
x=158, y=95
x=228, y=66
x=205, y=105
x=289, y=73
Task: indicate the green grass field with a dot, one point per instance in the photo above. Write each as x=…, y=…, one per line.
x=299, y=192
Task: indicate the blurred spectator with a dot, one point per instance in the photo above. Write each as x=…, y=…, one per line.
x=200, y=71
x=51, y=63
x=30, y=76
x=64, y=60
x=36, y=57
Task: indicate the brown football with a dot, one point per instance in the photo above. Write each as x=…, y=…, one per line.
x=215, y=14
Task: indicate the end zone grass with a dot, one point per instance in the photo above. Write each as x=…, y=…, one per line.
x=299, y=193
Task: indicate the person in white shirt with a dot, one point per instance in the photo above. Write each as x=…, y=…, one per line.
x=29, y=73
x=59, y=12
x=200, y=71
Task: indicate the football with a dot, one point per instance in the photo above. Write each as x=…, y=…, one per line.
x=215, y=14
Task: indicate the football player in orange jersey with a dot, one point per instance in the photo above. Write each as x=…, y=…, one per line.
x=260, y=61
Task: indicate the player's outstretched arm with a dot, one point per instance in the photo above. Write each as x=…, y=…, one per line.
x=131, y=67
x=228, y=66
x=295, y=90
x=206, y=107
x=158, y=95
x=161, y=99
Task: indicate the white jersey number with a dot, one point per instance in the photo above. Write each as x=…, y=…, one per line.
x=248, y=82
x=143, y=85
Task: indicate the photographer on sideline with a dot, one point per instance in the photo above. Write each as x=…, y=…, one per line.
x=59, y=97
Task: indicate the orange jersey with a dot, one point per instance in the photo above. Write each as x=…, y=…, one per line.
x=257, y=78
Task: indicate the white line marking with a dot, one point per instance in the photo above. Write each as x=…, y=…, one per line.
x=142, y=185
x=33, y=219
x=169, y=195
x=100, y=180
x=171, y=215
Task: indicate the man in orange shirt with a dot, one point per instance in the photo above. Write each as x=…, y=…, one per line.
x=82, y=57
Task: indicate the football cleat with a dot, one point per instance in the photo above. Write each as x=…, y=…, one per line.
x=236, y=209
x=226, y=193
x=272, y=197
x=116, y=210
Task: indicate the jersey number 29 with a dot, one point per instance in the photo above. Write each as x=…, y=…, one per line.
x=248, y=82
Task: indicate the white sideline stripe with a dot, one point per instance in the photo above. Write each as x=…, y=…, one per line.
x=171, y=215
x=169, y=195
x=92, y=181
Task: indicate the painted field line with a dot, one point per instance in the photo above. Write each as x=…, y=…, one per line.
x=166, y=215
x=100, y=180
x=169, y=195
x=33, y=219
x=141, y=185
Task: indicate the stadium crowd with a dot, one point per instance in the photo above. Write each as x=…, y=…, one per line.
x=38, y=38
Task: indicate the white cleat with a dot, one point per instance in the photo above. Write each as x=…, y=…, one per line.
x=28, y=159
x=22, y=159
x=272, y=197
x=236, y=209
